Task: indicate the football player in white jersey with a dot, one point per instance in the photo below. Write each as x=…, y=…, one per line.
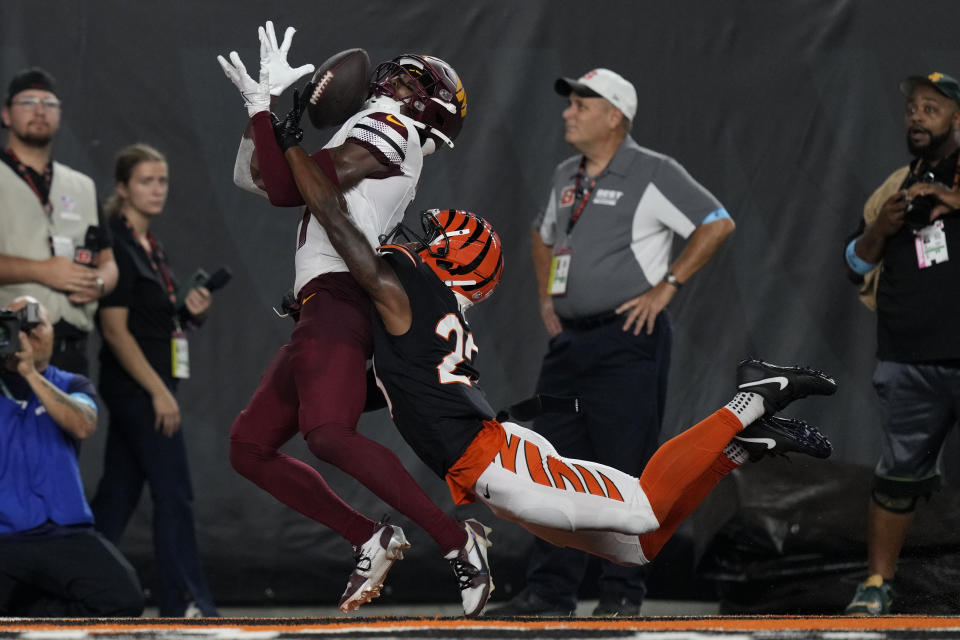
x=317, y=382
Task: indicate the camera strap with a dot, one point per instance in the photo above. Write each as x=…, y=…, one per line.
x=956, y=172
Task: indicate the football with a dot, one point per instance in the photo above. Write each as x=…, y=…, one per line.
x=341, y=85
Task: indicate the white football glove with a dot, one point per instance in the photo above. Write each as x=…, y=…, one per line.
x=256, y=94
x=274, y=58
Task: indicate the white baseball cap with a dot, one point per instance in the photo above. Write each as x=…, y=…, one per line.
x=602, y=83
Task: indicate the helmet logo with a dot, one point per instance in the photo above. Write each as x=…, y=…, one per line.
x=462, y=98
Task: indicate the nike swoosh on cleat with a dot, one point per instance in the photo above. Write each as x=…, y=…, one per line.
x=778, y=379
x=486, y=492
x=770, y=442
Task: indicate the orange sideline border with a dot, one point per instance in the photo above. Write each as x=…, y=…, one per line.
x=726, y=623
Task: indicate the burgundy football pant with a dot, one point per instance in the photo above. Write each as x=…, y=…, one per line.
x=317, y=384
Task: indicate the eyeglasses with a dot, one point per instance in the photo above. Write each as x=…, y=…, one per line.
x=33, y=103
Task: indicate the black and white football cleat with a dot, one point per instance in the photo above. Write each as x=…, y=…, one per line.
x=779, y=386
x=776, y=435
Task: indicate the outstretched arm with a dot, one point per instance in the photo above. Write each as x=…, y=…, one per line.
x=370, y=271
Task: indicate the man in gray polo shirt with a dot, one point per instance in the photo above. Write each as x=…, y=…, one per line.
x=601, y=250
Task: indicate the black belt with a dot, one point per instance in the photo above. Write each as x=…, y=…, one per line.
x=589, y=322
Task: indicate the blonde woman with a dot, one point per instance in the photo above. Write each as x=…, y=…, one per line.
x=144, y=356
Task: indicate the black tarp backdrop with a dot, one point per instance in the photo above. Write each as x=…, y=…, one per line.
x=788, y=111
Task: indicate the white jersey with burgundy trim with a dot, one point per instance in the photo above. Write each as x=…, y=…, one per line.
x=428, y=374
x=376, y=204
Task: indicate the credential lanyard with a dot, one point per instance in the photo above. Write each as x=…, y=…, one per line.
x=24, y=173
x=582, y=196
x=159, y=263
x=157, y=260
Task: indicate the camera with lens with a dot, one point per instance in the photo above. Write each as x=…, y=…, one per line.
x=917, y=214
x=12, y=323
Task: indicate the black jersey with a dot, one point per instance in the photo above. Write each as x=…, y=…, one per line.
x=429, y=373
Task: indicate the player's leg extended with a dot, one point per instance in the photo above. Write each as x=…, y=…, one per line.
x=690, y=499
x=638, y=550
x=332, y=342
x=529, y=482
x=683, y=459
x=592, y=507
x=268, y=422
x=764, y=389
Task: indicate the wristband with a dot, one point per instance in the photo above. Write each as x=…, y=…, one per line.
x=672, y=279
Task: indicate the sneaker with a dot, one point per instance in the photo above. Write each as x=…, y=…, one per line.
x=776, y=435
x=873, y=598
x=374, y=559
x=528, y=604
x=779, y=386
x=616, y=607
x=471, y=568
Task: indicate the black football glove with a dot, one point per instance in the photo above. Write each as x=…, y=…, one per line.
x=288, y=131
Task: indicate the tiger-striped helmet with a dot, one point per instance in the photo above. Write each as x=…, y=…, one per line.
x=463, y=250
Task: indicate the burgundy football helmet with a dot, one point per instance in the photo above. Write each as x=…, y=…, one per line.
x=461, y=248
x=438, y=103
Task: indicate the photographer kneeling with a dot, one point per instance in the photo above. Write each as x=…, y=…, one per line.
x=52, y=562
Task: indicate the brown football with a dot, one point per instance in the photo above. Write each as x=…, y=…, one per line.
x=341, y=86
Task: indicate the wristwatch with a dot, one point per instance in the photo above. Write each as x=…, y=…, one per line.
x=672, y=279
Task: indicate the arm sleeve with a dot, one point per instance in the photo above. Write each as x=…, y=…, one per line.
x=856, y=267
x=81, y=389
x=242, y=176
x=275, y=172
x=687, y=203
x=546, y=221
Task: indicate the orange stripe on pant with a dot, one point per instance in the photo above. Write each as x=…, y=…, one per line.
x=560, y=472
x=535, y=464
x=508, y=453
x=592, y=485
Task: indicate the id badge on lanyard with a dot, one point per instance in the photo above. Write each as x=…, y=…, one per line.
x=562, y=255
x=559, y=271
x=179, y=353
x=931, y=245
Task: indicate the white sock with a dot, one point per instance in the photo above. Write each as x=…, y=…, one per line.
x=736, y=452
x=747, y=406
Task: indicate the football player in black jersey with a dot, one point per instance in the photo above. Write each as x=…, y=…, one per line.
x=424, y=363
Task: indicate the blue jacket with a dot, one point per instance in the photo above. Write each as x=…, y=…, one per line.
x=39, y=475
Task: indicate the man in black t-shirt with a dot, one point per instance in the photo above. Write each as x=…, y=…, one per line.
x=905, y=256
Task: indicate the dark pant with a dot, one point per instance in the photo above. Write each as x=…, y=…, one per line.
x=136, y=453
x=622, y=380
x=75, y=575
